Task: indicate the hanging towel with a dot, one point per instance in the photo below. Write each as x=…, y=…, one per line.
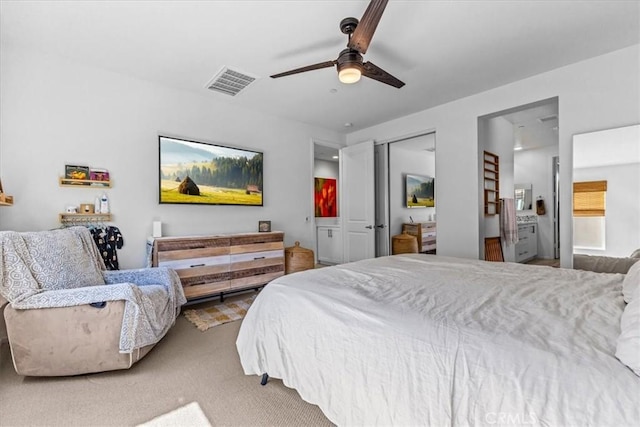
x=508, y=225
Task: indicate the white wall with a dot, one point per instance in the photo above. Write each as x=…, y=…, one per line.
x=55, y=112
x=326, y=169
x=622, y=225
x=536, y=167
x=402, y=161
x=598, y=93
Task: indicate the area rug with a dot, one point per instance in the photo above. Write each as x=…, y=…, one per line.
x=228, y=311
x=189, y=415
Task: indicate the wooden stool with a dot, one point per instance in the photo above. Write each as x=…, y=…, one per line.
x=493, y=249
x=404, y=244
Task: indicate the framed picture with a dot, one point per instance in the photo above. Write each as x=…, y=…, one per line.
x=76, y=172
x=192, y=172
x=326, y=197
x=264, y=226
x=98, y=174
x=419, y=191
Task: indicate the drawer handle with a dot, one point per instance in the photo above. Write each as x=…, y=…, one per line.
x=197, y=265
x=259, y=257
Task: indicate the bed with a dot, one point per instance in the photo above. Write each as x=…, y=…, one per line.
x=430, y=340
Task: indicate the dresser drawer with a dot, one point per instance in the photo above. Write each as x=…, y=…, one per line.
x=177, y=244
x=259, y=280
x=205, y=290
x=172, y=261
x=256, y=247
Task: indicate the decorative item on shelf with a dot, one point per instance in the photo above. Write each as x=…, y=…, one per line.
x=71, y=209
x=76, y=172
x=87, y=208
x=264, y=226
x=4, y=199
x=404, y=244
x=98, y=174
x=297, y=258
x=104, y=204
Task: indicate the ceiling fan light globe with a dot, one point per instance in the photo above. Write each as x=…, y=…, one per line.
x=349, y=75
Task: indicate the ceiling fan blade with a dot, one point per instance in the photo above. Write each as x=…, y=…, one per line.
x=318, y=66
x=376, y=73
x=363, y=33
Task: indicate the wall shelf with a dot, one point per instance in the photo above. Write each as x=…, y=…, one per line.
x=6, y=200
x=491, y=183
x=68, y=182
x=80, y=218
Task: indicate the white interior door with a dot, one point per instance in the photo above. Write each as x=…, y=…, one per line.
x=357, y=201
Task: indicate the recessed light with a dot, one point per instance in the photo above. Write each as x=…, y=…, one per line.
x=335, y=157
x=517, y=148
x=348, y=124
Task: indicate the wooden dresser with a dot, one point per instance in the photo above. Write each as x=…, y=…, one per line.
x=210, y=266
x=425, y=232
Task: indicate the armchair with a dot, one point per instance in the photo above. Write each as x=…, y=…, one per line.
x=67, y=315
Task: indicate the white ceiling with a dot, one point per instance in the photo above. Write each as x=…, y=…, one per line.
x=442, y=50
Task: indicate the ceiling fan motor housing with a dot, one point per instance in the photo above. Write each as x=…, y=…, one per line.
x=349, y=66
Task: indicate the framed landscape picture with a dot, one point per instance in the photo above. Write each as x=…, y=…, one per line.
x=419, y=191
x=194, y=172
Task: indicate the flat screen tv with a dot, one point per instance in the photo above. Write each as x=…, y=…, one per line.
x=419, y=191
x=201, y=173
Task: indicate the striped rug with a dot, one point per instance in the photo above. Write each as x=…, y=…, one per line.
x=220, y=313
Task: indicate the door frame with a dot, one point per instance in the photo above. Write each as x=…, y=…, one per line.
x=311, y=216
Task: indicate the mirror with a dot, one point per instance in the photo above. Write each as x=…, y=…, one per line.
x=612, y=157
x=523, y=197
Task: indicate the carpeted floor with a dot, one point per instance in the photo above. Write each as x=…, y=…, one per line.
x=186, y=366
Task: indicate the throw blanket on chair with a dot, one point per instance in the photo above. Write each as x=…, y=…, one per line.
x=63, y=268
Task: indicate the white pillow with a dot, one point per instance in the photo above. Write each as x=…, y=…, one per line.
x=635, y=254
x=628, y=345
x=631, y=282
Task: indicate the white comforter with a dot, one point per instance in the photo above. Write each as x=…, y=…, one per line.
x=431, y=340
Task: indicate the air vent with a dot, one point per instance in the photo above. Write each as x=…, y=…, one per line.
x=230, y=82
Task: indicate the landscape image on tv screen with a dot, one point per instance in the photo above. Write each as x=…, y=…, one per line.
x=201, y=173
x=419, y=191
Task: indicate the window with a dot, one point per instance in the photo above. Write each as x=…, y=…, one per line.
x=589, y=205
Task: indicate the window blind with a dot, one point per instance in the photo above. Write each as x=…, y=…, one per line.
x=589, y=198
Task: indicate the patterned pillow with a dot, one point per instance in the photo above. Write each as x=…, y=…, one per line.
x=63, y=258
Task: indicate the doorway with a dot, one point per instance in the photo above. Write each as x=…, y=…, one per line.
x=325, y=216
x=398, y=163
x=525, y=138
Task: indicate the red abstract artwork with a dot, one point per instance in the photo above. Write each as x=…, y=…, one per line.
x=326, y=193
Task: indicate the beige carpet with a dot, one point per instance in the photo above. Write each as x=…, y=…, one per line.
x=186, y=366
x=218, y=314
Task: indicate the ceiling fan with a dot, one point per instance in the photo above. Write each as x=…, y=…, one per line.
x=349, y=63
